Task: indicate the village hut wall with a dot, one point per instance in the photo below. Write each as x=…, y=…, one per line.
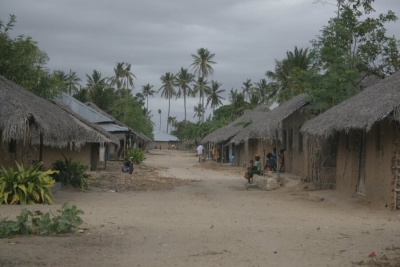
x=14, y=151
x=368, y=156
x=240, y=157
x=295, y=143
x=52, y=154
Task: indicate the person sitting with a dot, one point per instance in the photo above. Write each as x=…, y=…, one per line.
x=270, y=164
x=254, y=168
x=274, y=154
x=128, y=166
x=257, y=163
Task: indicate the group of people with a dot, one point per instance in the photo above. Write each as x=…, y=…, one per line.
x=270, y=164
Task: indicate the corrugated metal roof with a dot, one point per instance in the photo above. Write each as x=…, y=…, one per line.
x=113, y=128
x=86, y=112
x=163, y=137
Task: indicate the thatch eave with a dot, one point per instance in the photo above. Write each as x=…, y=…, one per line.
x=361, y=111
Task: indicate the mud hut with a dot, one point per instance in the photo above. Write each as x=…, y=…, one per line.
x=29, y=124
x=222, y=136
x=367, y=126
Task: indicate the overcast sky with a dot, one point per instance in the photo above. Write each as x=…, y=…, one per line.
x=159, y=36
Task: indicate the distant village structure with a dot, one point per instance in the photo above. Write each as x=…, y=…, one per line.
x=128, y=138
x=165, y=141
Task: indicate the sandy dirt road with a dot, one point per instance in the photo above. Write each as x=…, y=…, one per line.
x=212, y=221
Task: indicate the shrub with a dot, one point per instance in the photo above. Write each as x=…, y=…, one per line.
x=29, y=223
x=71, y=172
x=26, y=186
x=137, y=154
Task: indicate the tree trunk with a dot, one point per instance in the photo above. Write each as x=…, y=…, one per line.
x=184, y=105
x=169, y=107
x=160, y=123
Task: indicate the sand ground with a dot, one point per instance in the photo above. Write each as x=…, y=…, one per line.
x=211, y=220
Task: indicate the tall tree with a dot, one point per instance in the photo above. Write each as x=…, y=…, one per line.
x=127, y=77
x=95, y=80
x=214, y=95
x=201, y=86
x=238, y=103
x=148, y=115
x=171, y=121
x=167, y=89
x=247, y=85
x=202, y=62
x=353, y=46
x=159, y=113
x=183, y=80
x=72, y=82
x=23, y=62
x=100, y=93
x=261, y=87
x=147, y=91
x=198, y=111
x=282, y=85
x=116, y=80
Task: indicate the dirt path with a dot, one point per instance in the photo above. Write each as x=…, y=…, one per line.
x=212, y=221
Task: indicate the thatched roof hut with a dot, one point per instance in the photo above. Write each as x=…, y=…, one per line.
x=268, y=125
x=93, y=133
x=361, y=111
x=225, y=133
x=22, y=113
x=272, y=124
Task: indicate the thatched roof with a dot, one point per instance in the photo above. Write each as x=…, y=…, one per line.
x=267, y=125
x=22, y=113
x=93, y=133
x=114, y=120
x=361, y=111
x=225, y=133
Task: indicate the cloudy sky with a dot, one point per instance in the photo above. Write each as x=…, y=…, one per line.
x=159, y=36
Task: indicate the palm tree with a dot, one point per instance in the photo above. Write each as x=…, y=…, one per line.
x=167, y=89
x=127, y=77
x=202, y=66
x=118, y=75
x=95, y=80
x=61, y=77
x=239, y=105
x=147, y=91
x=159, y=112
x=198, y=111
x=300, y=59
x=261, y=87
x=246, y=88
x=214, y=95
x=201, y=86
x=183, y=80
x=148, y=116
x=171, y=121
x=72, y=82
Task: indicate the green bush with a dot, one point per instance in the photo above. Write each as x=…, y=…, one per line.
x=137, y=154
x=71, y=172
x=29, y=223
x=28, y=186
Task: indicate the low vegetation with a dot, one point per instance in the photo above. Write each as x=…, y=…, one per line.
x=28, y=186
x=36, y=223
x=137, y=154
x=71, y=172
